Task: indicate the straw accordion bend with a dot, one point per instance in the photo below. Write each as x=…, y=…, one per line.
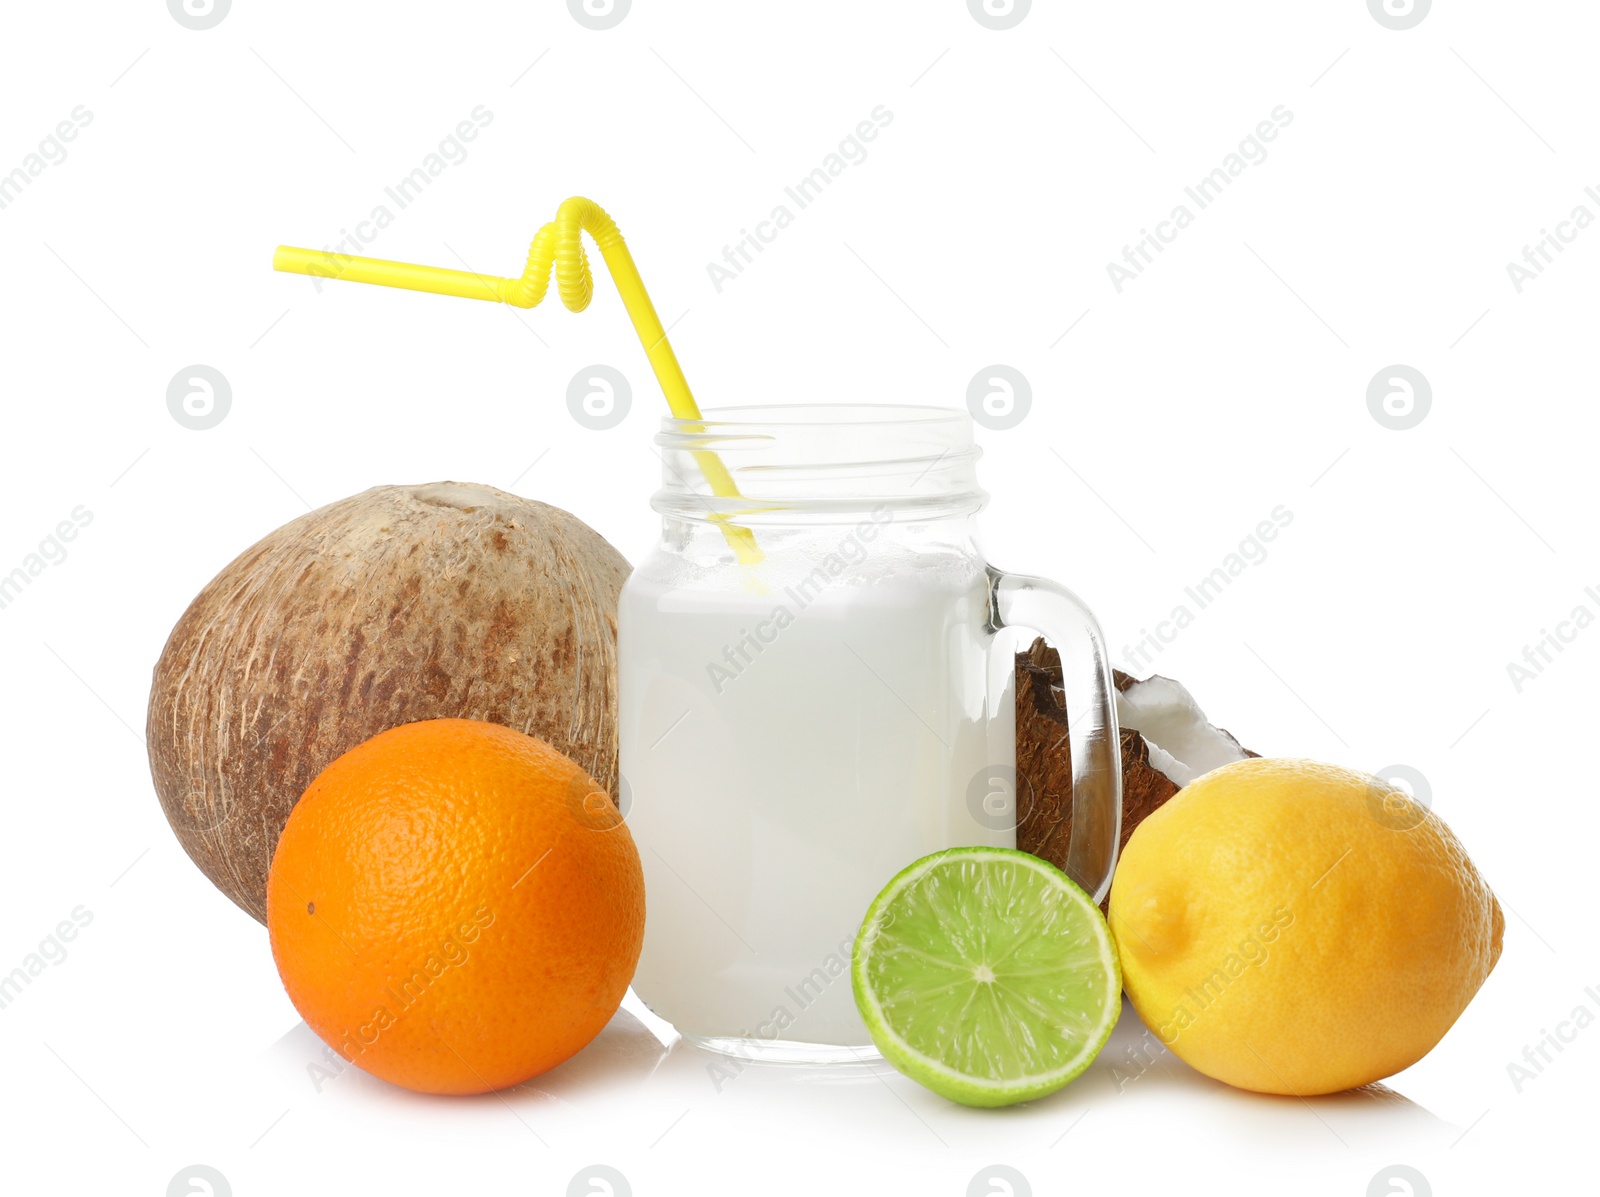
x=558, y=246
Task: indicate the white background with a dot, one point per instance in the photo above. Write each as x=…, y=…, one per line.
x=1229, y=378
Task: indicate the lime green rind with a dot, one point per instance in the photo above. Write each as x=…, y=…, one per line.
x=931, y=965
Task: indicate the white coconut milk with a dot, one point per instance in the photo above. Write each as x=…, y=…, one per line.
x=785, y=753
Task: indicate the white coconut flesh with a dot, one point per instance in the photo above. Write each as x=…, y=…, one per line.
x=1183, y=742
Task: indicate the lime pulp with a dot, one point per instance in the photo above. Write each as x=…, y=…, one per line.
x=986, y=975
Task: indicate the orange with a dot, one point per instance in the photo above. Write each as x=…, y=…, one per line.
x=455, y=906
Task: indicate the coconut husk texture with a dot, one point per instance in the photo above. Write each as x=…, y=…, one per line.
x=399, y=604
x=1044, y=761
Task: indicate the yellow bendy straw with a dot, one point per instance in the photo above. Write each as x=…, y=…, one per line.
x=559, y=243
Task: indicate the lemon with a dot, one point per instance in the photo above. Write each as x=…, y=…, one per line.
x=1292, y=927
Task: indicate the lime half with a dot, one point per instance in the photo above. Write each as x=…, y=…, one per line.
x=987, y=975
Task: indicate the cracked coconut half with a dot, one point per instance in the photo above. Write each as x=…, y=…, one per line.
x=1166, y=742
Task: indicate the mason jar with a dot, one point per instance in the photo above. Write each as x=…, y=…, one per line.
x=815, y=692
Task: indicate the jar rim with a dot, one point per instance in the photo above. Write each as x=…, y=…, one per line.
x=806, y=459
x=851, y=414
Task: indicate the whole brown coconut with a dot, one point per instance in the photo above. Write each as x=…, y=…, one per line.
x=399, y=604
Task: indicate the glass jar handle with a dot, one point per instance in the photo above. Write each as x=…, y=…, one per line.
x=1016, y=600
